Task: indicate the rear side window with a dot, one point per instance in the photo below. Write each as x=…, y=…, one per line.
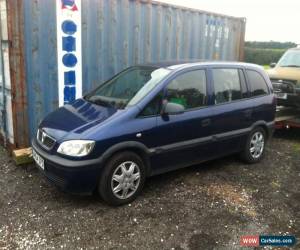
x=258, y=85
x=188, y=89
x=227, y=85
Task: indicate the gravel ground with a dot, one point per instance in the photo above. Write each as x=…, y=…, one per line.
x=208, y=206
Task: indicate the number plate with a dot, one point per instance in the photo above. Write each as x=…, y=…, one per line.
x=38, y=159
x=281, y=95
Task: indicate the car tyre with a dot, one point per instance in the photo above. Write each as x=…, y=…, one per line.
x=254, y=150
x=122, y=179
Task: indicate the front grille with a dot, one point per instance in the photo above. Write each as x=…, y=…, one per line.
x=283, y=86
x=45, y=140
x=60, y=182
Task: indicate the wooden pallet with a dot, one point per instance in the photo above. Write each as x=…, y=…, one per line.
x=22, y=156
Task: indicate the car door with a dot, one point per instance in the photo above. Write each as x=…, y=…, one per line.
x=260, y=95
x=184, y=138
x=232, y=109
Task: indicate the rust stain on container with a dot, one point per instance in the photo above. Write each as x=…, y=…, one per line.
x=17, y=72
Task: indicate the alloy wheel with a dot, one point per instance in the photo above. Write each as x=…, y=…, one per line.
x=257, y=144
x=125, y=180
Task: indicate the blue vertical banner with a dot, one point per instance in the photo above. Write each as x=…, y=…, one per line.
x=69, y=56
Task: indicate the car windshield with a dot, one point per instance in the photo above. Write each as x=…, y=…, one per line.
x=128, y=87
x=290, y=59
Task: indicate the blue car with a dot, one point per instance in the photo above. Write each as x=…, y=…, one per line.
x=154, y=118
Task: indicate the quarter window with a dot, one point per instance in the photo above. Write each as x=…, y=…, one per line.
x=258, y=85
x=188, y=89
x=226, y=85
x=153, y=107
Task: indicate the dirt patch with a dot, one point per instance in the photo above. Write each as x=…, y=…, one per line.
x=209, y=206
x=233, y=196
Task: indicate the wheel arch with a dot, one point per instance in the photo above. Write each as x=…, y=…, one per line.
x=267, y=127
x=136, y=147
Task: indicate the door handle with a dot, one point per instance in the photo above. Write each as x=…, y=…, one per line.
x=205, y=122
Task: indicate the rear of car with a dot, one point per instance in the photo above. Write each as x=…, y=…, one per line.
x=244, y=104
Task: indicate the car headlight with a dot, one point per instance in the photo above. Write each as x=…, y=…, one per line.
x=76, y=148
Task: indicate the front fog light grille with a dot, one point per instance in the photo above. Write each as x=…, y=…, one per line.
x=45, y=140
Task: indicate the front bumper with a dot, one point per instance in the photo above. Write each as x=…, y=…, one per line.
x=79, y=177
x=287, y=94
x=290, y=100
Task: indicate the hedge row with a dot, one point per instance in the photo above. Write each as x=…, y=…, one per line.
x=269, y=45
x=263, y=56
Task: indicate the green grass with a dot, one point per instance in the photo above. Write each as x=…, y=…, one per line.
x=266, y=66
x=297, y=147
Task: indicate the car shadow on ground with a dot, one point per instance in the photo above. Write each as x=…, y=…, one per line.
x=292, y=134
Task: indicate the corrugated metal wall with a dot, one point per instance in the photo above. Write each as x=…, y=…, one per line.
x=120, y=33
x=16, y=71
x=41, y=60
x=115, y=35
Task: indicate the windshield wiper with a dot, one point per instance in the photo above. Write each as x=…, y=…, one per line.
x=99, y=101
x=292, y=66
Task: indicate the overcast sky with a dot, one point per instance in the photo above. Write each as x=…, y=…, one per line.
x=277, y=20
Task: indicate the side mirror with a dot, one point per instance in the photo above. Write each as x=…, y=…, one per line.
x=171, y=108
x=272, y=65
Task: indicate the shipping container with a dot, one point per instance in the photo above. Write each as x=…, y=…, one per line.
x=114, y=34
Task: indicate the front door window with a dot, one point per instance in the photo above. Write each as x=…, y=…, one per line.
x=188, y=89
